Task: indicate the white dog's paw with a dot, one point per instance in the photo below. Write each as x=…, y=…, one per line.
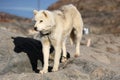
x=43, y=71
x=64, y=59
x=54, y=69
x=76, y=55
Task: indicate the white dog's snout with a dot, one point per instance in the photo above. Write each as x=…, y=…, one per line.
x=35, y=25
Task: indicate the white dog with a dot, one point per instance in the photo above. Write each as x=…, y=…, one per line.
x=55, y=27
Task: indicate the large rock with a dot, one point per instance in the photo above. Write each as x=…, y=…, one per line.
x=19, y=56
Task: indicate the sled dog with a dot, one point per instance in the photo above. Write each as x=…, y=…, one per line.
x=54, y=28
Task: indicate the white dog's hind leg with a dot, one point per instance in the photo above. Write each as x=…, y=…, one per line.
x=77, y=49
x=64, y=58
x=57, y=57
x=77, y=43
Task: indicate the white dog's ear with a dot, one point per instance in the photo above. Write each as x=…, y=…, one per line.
x=35, y=12
x=45, y=13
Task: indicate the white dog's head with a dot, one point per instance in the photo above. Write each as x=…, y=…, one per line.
x=44, y=20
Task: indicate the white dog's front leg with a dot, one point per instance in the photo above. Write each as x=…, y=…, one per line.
x=57, y=58
x=46, y=48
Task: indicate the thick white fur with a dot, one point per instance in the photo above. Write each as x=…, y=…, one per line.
x=60, y=24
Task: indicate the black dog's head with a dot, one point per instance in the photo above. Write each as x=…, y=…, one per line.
x=26, y=45
x=18, y=42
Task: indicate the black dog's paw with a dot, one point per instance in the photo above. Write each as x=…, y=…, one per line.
x=37, y=71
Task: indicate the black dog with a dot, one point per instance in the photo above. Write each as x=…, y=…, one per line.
x=32, y=47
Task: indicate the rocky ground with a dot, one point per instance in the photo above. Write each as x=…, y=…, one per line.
x=19, y=56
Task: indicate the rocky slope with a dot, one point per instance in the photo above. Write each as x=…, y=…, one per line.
x=101, y=16
x=19, y=55
x=5, y=17
x=15, y=24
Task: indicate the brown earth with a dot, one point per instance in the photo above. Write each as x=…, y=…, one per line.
x=5, y=17
x=15, y=23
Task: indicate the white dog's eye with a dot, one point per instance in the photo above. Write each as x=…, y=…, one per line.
x=41, y=21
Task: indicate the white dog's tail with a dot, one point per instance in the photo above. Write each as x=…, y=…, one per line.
x=73, y=36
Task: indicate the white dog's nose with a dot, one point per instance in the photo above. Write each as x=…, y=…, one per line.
x=35, y=28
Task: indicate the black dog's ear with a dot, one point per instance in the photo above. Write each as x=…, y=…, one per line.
x=12, y=37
